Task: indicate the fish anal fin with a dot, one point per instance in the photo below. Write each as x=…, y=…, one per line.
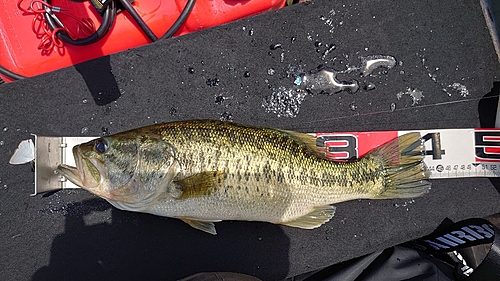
x=203, y=225
x=200, y=184
x=314, y=219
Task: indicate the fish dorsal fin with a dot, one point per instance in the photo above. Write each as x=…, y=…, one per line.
x=308, y=140
x=317, y=217
x=200, y=184
x=203, y=225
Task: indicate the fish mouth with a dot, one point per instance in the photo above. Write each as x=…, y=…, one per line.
x=71, y=173
x=85, y=175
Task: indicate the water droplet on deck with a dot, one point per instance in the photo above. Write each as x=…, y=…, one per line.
x=85, y=100
x=250, y=32
x=271, y=71
x=284, y=102
x=327, y=51
x=213, y=82
x=84, y=130
x=2, y=143
x=353, y=106
x=226, y=116
x=107, y=110
x=104, y=131
x=461, y=89
x=246, y=74
x=369, y=86
x=447, y=92
x=294, y=71
x=5, y=129
x=393, y=107
x=433, y=77
x=292, y=39
x=415, y=94
x=282, y=57
x=370, y=63
x=173, y=111
x=191, y=70
x=275, y=46
x=324, y=80
x=219, y=99
x=298, y=80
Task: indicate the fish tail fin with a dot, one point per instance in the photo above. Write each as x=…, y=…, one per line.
x=405, y=173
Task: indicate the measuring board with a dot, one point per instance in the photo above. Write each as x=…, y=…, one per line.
x=449, y=153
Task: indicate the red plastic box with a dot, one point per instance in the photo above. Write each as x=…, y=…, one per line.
x=19, y=50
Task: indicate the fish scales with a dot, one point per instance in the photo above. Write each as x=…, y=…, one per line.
x=240, y=152
x=205, y=171
x=230, y=146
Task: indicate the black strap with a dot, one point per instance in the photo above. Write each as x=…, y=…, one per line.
x=461, y=235
x=489, y=269
x=466, y=233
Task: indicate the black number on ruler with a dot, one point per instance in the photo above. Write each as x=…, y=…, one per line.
x=436, y=150
x=343, y=146
x=487, y=145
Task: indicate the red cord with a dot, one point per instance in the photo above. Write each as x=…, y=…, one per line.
x=48, y=37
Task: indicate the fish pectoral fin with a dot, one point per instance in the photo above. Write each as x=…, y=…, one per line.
x=203, y=225
x=201, y=184
x=314, y=219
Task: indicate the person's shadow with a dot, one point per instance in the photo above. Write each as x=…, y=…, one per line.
x=138, y=246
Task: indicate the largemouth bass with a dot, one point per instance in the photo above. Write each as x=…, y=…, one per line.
x=206, y=171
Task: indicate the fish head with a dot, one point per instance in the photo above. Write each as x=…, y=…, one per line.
x=123, y=168
x=94, y=160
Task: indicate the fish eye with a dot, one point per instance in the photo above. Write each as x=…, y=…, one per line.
x=101, y=145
